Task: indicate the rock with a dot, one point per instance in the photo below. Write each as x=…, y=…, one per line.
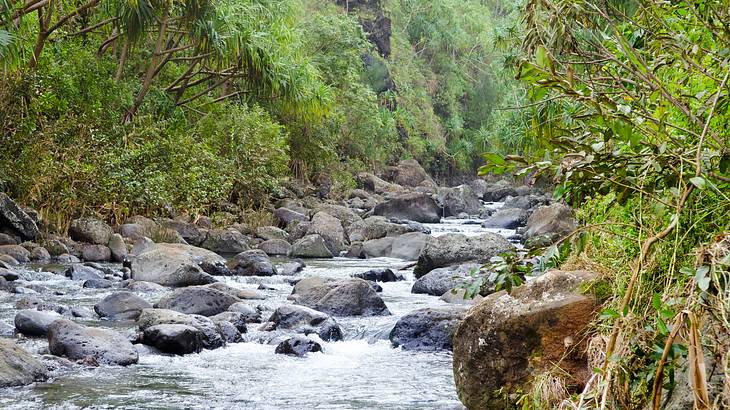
x=246, y=294
x=8, y=275
x=8, y=260
x=96, y=253
x=507, y=338
x=77, y=342
x=311, y=246
x=252, y=263
x=374, y=184
x=285, y=217
x=6, y=330
x=225, y=241
x=525, y=201
x=83, y=273
x=456, y=297
x=271, y=232
x=17, y=366
x=408, y=246
x=90, y=230
x=344, y=214
x=98, y=284
x=215, y=268
x=11, y=215
x=408, y=173
x=198, y=300
x=67, y=259
x=331, y=230
x=6, y=239
x=349, y=297
x=275, y=247
x=172, y=265
x=189, y=232
x=229, y=332
x=375, y=227
x=498, y=191
x=117, y=247
x=379, y=275
x=304, y=320
x=151, y=317
x=507, y=218
x=16, y=252
x=378, y=248
x=237, y=319
x=415, y=207
x=555, y=221
x=56, y=247
x=250, y=314
x=142, y=286
x=479, y=187
x=34, y=322
x=427, y=329
x=298, y=229
x=40, y=254
x=298, y=346
x=120, y=306
x=455, y=248
x=443, y=280
x=459, y=200
x=174, y=338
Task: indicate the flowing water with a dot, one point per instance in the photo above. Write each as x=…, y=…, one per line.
x=361, y=372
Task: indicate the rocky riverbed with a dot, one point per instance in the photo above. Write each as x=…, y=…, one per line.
x=337, y=304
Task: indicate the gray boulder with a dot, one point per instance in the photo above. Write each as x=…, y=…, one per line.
x=172, y=264
x=174, y=338
x=275, y=247
x=555, y=220
x=456, y=248
x=83, y=273
x=301, y=319
x=459, y=200
x=443, y=280
x=198, y=300
x=408, y=246
x=95, y=253
x=189, y=232
x=12, y=216
x=40, y=254
x=413, y=206
x=498, y=191
x=526, y=201
x=311, y=246
x=8, y=274
x=16, y=252
x=271, y=232
x=331, y=230
x=117, y=247
x=298, y=346
x=252, y=263
x=77, y=342
x=250, y=314
x=225, y=241
x=120, y=306
x=507, y=218
x=152, y=317
x=285, y=216
x=348, y=297
x=378, y=248
x=34, y=322
x=90, y=230
x=18, y=367
x=427, y=329
x=408, y=173
x=379, y=275
x=345, y=215
x=237, y=319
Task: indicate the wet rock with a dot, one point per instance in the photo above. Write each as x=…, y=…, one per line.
x=174, y=338
x=40, y=254
x=8, y=274
x=142, y=286
x=378, y=248
x=117, y=247
x=83, y=273
x=67, y=259
x=12, y=216
x=77, y=342
x=276, y=247
x=330, y=229
x=121, y=306
x=311, y=246
x=507, y=218
x=271, y=232
x=442, y=280
x=459, y=200
x=349, y=297
x=414, y=207
x=548, y=316
x=252, y=263
x=229, y=332
x=18, y=367
x=245, y=294
x=82, y=312
x=98, y=284
x=250, y=314
x=525, y=201
x=32, y=322
x=225, y=241
x=90, y=230
x=198, y=300
x=298, y=346
x=237, y=319
x=172, y=264
x=553, y=221
x=408, y=246
x=379, y=275
x=427, y=329
x=151, y=317
x=17, y=253
x=215, y=268
x=456, y=248
x=498, y=191
x=301, y=319
x=285, y=216
x=96, y=253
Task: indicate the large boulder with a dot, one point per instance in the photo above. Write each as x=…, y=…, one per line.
x=301, y=319
x=408, y=246
x=442, y=280
x=311, y=246
x=227, y=241
x=427, y=329
x=12, y=216
x=77, y=342
x=527, y=201
x=172, y=264
x=378, y=248
x=345, y=215
x=252, y=263
x=189, y=232
x=379, y=275
x=197, y=300
x=408, y=173
x=497, y=191
x=121, y=306
x=174, y=338
x=331, y=230
x=348, y=297
x=118, y=248
x=95, y=253
x=413, y=206
x=275, y=247
x=555, y=220
x=83, y=273
x=456, y=248
x=17, y=252
x=153, y=317
x=507, y=218
x=376, y=185
x=459, y=200
x=18, y=367
x=506, y=339
x=285, y=216
x=271, y=232
x=90, y=230
x=375, y=227
x=298, y=346
x=31, y=322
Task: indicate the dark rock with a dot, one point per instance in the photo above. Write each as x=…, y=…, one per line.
x=32, y=322
x=298, y=346
x=304, y=320
x=189, y=232
x=311, y=246
x=98, y=284
x=225, y=241
x=55, y=247
x=18, y=367
x=174, y=338
x=414, y=207
x=8, y=274
x=229, y=332
x=11, y=215
x=77, y=342
x=198, y=300
x=455, y=248
x=379, y=275
x=285, y=216
x=250, y=314
x=212, y=338
x=507, y=218
x=90, y=230
x=6, y=239
x=349, y=297
x=237, y=319
x=427, y=329
x=120, y=306
x=252, y=263
x=498, y=191
x=459, y=200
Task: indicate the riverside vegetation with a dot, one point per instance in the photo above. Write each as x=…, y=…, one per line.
x=605, y=127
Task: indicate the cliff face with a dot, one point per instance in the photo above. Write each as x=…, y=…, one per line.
x=374, y=22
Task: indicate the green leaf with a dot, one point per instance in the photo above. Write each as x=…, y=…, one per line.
x=494, y=158
x=656, y=301
x=699, y=182
x=609, y=314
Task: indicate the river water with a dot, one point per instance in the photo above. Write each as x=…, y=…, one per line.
x=361, y=372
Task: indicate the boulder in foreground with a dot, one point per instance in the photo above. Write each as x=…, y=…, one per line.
x=456, y=248
x=77, y=342
x=17, y=366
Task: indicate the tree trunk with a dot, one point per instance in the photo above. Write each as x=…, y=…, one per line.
x=122, y=60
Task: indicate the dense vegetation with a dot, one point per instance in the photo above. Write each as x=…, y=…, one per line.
x=125, y=107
